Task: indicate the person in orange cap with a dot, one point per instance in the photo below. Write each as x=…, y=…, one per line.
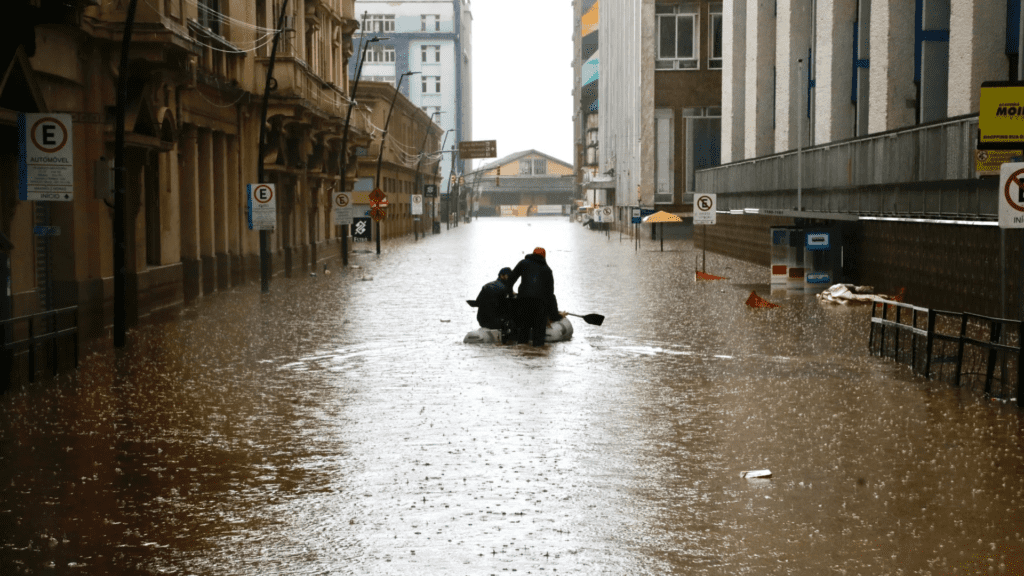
x=536, y=303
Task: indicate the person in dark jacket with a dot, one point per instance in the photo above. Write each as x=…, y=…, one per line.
x=536, y=304
x=493, y=310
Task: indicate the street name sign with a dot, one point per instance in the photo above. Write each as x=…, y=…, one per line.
x=262, y=205
x=704, y=211
x=45, y=157
x=342, y=208
x=1011, y=195
x=478, y=149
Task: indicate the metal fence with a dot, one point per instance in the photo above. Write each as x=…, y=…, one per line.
x=966, y=350
x=871, y=175
x=43, y=332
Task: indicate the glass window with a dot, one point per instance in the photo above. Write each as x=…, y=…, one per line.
x=431, y=84
x=380, y=23
x=430, y=23
x=540, y=166
x=430, y=53
x=378, y=53
x=715, y=57
x=526, y=166
x=677, y=37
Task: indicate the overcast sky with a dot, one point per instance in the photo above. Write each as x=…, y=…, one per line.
x=522, y=76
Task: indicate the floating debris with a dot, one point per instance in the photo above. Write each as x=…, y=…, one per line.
x=756, y=474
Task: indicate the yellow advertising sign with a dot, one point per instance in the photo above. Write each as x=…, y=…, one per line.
x=987, y=162
x=1001, y=117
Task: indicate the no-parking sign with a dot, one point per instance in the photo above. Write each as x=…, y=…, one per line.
x=1011, y=195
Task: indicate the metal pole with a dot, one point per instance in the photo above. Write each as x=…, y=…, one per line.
x=448, y=226
x=343, y=163
x=120, y=249
x=419, y=177
x=383, y=140
x=800, y=138
x=265, y=262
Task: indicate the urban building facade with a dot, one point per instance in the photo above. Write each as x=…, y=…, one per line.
x=660, y=95
x=196, y=77
x=523, y=184
x=433, y=39
x=409, y=160
x=586, y=81
x=865, y=113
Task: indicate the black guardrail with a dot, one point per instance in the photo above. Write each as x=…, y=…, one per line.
x=49, y=330
x=961, y=348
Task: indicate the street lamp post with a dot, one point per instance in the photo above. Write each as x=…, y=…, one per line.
x=383, y=139
x=343, y=162
x=419, y=177
x=450, y=182
x=268, y=85
x=120, y=196
x=437, y=174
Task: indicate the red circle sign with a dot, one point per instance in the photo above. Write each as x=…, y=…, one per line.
x=263, y=193
x=49, y=135
x=1014, y=178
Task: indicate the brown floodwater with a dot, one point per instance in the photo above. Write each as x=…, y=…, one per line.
x=339, y=425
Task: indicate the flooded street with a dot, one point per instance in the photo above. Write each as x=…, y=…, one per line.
x=339, y=425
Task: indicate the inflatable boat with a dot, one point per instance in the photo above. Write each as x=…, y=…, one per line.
x=557, y=332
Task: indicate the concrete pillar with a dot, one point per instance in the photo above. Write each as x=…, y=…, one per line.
x=759, y=95
x=833, y=78
x=220, y=210
x=734, y=42
x=207, y=207
x=893, y=96
x=191, y=271
x=793, y=34
x=170, y=207
x=976, y=51
x=234, y=196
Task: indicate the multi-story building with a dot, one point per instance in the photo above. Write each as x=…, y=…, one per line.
x=433, y=39
x=660, y=95
x=196, y=77
x=862, y=116
x=523, y=184
x=586, y=80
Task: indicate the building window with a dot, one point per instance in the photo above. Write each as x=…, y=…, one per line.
x=430, y=54
x=386, y=79
x=378, y=53
x=209, y=15
x=703, y=133
x=431, y=110
x=430, y=23
x=678, y=37
x=540, y=166
x=380, y=23
x=715, y=37
x=525, y=167
x=431, y=84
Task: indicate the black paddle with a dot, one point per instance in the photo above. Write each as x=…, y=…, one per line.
x=595, y=319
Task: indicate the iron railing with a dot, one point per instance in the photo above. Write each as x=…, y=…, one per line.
x=964, y=349
x=50, y=330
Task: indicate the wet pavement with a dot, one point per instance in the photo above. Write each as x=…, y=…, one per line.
x=340, y=426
